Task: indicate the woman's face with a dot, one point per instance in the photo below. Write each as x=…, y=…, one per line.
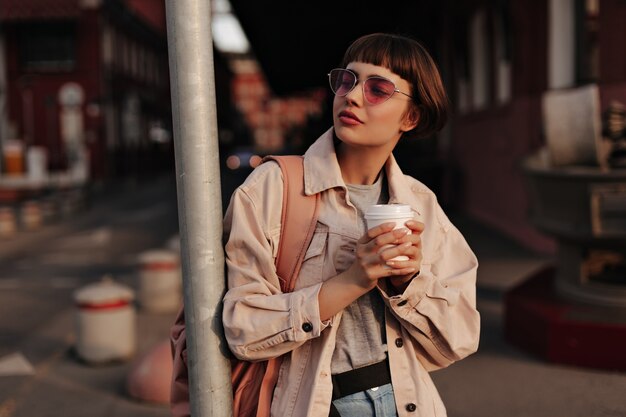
x=358, y=123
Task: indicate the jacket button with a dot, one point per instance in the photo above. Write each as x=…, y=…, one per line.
x=307, y=327
x=403, y=302
x=411, y=407
x=399, y=342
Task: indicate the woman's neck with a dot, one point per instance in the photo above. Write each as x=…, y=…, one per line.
x=360, y=165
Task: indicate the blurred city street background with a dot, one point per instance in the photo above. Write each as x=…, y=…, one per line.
x=531, y=168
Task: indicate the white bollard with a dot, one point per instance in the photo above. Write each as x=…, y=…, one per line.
x=160, y=281
x=105, y=322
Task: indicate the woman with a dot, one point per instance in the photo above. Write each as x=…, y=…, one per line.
x=357, y=318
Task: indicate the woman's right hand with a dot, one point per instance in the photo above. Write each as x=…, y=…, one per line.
x=368, y=267
x=374, y=249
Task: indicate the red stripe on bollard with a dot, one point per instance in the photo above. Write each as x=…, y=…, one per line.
x=104, y=306
x=159, y=266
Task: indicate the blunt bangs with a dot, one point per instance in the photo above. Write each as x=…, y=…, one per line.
x=407, y=58
x=389, y=51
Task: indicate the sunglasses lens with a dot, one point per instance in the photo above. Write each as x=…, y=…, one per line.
x=378, y=90
x=341, y=81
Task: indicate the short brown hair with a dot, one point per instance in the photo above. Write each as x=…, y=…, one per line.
x=410, y=60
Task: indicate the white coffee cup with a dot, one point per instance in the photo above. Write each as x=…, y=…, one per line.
x=399, y=214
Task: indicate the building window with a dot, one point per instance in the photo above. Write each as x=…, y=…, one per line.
x=503, y=51
x=561, y=44
x=48, y=46
x=483, y=58
x=587, y=51
x=479, y=60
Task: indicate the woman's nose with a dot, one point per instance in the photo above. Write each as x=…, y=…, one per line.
x=355, y=96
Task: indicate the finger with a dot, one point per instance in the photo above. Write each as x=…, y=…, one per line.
x=414, y=238
x=415, y=226
x=399, y=264
x=405, y=256
x=413, y=254
x=376, y=231
x=394, y=251
x=382, y=272
x=393, y=236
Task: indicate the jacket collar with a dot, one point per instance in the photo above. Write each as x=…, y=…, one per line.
x=322, y=172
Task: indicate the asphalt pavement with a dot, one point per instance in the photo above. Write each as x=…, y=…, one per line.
x=42, y=376
x=40, y=371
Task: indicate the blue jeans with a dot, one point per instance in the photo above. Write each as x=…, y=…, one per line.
x=374, y=402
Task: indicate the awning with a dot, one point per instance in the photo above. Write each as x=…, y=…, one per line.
x=297, y=42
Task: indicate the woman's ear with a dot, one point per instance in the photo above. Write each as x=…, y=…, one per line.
x=411, y=119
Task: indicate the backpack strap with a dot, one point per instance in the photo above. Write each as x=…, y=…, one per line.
x=298, y=220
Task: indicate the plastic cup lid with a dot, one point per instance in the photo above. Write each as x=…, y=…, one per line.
x=388, y=211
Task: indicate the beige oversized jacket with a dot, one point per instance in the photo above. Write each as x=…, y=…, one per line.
x=431, y=325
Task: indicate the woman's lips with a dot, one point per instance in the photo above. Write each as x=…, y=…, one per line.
x=349, y=118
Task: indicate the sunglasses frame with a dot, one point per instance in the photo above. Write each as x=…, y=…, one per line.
x=356, y=81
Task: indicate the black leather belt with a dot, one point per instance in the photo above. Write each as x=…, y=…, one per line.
x=360, y=379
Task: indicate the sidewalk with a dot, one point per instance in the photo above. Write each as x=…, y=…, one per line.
x=40, y=373
x=502, y=380
x=499, y=380
x=62, y=385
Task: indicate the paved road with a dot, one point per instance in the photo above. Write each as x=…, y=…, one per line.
x=39, y=272
x=40, y=375
x=502, y=380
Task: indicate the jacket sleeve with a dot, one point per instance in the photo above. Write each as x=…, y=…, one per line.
x=438, y=308
x=261, y=322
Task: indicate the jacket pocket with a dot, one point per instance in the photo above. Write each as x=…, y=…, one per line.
x=312, y=266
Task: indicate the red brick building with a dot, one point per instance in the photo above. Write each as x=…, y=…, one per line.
x=500, y=58
x=85, y=76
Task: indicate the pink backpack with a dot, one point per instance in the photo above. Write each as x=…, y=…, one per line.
x=254, y=382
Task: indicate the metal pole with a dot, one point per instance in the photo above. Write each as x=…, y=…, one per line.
x=199, y=203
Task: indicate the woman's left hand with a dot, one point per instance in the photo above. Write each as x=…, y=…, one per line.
x=414, y=253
